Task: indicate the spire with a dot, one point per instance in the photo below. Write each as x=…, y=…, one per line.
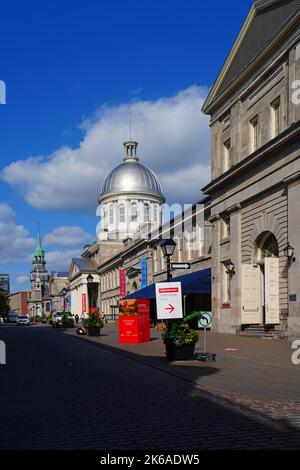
x=131, y=151
x=38, y=252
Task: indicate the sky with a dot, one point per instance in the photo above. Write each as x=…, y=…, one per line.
x=74, y=72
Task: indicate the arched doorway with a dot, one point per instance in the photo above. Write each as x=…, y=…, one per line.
x=267, y=258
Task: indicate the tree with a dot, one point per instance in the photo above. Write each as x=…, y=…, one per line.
x=4, y=304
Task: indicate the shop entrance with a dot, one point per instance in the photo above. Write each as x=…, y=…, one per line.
x=260, y=284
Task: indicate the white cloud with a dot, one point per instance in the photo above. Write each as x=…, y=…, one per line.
x=173, y=136
x=6, y=213
x=66, y=237
x=15, y=243
x=22, y=279
x=61, y=260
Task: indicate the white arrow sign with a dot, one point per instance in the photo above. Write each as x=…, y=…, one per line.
x=180, y=266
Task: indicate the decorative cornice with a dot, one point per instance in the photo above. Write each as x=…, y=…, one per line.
x=292, y=178
x=214, y=218
x=234, y=208
x=261, y=4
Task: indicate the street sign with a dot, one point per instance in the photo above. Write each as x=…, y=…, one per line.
x=181, y=265
x=168, y=300
x=205, y=320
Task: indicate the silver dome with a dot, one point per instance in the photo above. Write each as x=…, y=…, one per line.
x=131, y=176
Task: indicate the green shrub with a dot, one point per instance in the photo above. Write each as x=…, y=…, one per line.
x=180, y=334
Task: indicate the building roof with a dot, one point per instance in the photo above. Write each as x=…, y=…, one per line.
x=131, y=176
x=263, y=24
x=38, y=252
x=85, y=265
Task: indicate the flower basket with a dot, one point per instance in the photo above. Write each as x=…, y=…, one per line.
x=93, y=323
x=93, y=331
x=180, y=341
x=185, y=352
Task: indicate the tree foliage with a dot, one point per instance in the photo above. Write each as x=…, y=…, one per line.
x=4, y=304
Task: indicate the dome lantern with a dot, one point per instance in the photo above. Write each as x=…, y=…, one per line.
x=131, y=151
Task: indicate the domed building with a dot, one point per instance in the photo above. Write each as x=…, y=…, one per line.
x=131, y=197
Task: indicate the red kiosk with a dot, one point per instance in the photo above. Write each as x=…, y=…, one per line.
x=134, y=321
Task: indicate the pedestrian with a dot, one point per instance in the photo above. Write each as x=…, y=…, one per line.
x=76, y=318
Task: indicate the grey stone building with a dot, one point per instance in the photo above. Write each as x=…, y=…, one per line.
x=255, y=187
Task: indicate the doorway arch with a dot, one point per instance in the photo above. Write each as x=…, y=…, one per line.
x=267, y=258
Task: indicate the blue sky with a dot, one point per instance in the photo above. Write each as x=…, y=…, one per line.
x=72, y=69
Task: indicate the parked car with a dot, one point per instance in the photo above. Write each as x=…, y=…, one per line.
x=22, y=320
x=57, y=318
x=12, y=316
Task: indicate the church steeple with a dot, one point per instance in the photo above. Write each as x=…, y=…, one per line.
x=39, y=253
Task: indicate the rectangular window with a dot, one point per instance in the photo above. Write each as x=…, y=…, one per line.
x=254, y=134
x=146, y=213
x=275, y=118
x=111, y=215
x=225, y=227
x=226, y=155
x=226, y=289
x=122, y=214
x=134, y=214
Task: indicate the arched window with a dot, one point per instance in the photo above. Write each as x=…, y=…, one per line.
x=146, y=213
x=133, y=213
x=122, y=213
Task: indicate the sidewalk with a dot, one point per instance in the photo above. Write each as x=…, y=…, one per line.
x=247, y=367
x=252, y=376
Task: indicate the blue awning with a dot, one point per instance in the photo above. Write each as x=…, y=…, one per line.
x=198, y=282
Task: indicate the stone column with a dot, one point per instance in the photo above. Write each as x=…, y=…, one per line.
x=215, y=272
x=236, y=258
x=293, y=190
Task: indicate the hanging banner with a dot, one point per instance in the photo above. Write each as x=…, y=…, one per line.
x=69, y=302
x=84, y=303
x=122, y=275
x=144, y=273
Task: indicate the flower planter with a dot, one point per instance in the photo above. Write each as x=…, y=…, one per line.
x=93, y=331
x=185, y=352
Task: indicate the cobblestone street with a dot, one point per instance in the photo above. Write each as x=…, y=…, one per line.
x=60, y=391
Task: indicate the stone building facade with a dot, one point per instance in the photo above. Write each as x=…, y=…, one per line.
x=255, y=186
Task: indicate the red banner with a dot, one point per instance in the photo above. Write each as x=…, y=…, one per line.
x=122, y=275
x=84, y=303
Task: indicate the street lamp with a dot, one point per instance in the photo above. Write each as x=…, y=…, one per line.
x=168, y=248
x=64, y=291
x=90, y=281
x=289, y=252
x=230, y=268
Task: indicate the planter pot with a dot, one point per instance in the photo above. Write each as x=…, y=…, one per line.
x=93, y=331
x=186, y=352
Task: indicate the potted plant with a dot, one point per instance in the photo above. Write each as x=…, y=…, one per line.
x=67, y=321
x=93, y=323
x=180, y=340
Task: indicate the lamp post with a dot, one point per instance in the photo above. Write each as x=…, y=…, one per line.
x=230, y=268
x=90, y=281
x=289, y=252
x=64, y=291
x=168, y=248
